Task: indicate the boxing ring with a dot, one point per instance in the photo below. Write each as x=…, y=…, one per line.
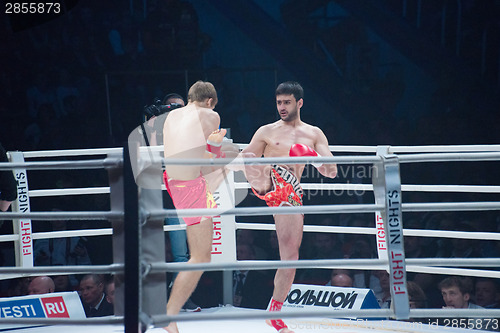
x=136, y=218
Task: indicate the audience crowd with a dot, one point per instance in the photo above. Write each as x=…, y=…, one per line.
x=54, y=92
x=57, y=102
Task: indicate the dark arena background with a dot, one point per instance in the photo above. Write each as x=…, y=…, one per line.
x=78, y=75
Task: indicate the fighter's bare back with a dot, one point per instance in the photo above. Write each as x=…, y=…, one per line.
x=185, y=135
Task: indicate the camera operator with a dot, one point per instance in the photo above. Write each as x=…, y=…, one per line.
x=146, y=164
x=154, y=134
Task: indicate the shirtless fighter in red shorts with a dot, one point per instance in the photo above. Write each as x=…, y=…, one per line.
x=192, y=132
x=280, y=184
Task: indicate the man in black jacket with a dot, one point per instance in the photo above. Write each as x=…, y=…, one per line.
x=251, y=289
x=93, y=297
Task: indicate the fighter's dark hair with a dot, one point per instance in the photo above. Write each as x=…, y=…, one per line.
x=290, y=88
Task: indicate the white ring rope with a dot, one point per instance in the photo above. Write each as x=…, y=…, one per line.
x=450, y=206
x=72, y=233
x=68, y=191
x=72, y=152
x=253, y=211
x=455, y=313
x=448, y=157
x=357, y=264
x=319, y=186
x=305, y=186
x=410, y=155
x=9, y=238
x=174, y=227
x=333, y=148
x=62, y=165
x=452, y=188
x=441, y=148
x=161, y=320
x=273, y=160
x=60, y=234
x=109, y=320
x=320, y=209
x=431, y=270
x=373, y=231
x=311, y=228
x=267, y=264
x=461, y=262
x=418, y=265
x=47, y=216
x=410, y=158
x=409, y=149
x=75, y=269
x=423, y=188
x=405, y=188
x=454, y=271
x=452, y=234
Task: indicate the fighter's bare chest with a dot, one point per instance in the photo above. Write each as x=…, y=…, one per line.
x=278, y=143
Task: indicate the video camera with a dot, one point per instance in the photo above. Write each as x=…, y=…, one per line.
x=158, y=108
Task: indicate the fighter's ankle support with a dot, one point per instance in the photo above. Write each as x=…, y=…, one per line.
x=278, y=324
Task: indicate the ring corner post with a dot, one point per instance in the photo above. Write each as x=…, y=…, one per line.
x=152, y=250
x=128, y=246
x=387, y=190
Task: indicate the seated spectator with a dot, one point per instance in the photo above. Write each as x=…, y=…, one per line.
x=417, y=299
x=61, y=251
x=271, y=247
x=414, y=248
x=340, y=280
x=456, y=292
x=251, y=289
x=321, y=246
x=247, y=236
x=462, y=247
x=18, y=287
x=93, y=297
x=110, y=292
x=364, y=247
x=384, y=297
x=416, y=296
x=63, y=283
x=487, y=293
x=41, y=285
x=324, y=246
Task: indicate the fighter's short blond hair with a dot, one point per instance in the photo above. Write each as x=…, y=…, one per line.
x=200, y=91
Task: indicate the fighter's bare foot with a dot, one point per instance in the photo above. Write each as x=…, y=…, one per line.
x=283, y=329
x=239, y=163
x=286, y=330
x=171, y=328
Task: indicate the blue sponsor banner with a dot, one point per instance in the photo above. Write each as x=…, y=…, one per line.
x=22, y=308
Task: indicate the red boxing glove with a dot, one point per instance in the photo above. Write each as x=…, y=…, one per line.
x=299, y=149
